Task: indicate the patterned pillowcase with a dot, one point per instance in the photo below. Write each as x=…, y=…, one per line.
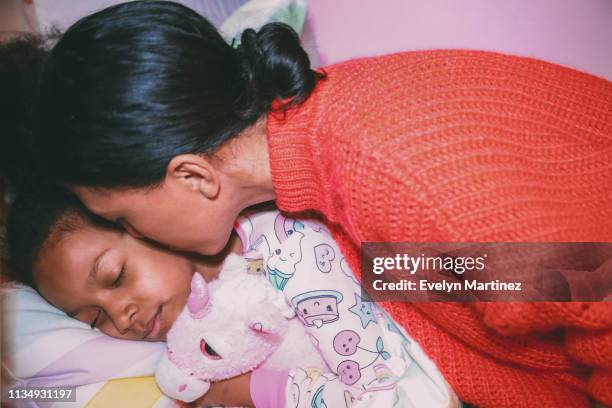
x=256, y=13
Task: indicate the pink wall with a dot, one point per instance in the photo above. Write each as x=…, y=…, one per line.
x=576, y=33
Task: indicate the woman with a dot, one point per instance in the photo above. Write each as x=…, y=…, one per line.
x=156, y=123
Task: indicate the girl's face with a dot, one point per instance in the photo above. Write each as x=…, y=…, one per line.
x=127, y=288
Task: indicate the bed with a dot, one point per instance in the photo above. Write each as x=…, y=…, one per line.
x=43, y=347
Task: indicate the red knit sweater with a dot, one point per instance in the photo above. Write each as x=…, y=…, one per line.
x=466, y=146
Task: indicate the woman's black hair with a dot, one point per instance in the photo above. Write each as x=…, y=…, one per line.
x=21, y=60
x=128, y=88
x=40, y=217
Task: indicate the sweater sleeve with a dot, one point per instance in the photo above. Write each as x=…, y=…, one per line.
x=520, y=318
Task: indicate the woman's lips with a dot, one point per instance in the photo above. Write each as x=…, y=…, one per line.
x=154, y=326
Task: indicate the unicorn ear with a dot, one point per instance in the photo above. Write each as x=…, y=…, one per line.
x=199, y=298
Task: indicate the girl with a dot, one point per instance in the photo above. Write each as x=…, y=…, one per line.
x=159, y=125
x=131, y=289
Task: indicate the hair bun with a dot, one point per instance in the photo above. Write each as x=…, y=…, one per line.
x=277, y=66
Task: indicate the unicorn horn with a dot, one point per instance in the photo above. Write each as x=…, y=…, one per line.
x=199, y=297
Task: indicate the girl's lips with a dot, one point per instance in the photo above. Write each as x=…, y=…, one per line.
x=154, y=327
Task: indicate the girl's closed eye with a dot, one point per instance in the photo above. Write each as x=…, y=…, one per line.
x=95, y=320
x=119, y=277
x=99, y=321
x=115, y=284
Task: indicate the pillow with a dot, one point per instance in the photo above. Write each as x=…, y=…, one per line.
x=45, y=348
x=256, y=13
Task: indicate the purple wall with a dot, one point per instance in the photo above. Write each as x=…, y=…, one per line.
x=569, y=32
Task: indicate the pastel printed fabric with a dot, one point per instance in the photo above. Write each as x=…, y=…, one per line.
x=372, y=362
x=46, y=348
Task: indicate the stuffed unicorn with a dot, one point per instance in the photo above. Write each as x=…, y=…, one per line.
x=230, y=326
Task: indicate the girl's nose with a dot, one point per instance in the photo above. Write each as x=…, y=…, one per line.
x=123, y=316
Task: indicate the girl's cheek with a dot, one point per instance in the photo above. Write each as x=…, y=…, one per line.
x=106, y=327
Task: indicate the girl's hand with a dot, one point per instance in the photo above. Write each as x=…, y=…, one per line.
x=235, y=392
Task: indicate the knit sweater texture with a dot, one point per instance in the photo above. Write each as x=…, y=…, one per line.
x=466, y=146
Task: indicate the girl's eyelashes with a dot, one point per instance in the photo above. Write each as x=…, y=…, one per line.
x=119, y=278
x=118, y=223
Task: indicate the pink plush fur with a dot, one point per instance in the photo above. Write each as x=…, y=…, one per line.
x=232, y=325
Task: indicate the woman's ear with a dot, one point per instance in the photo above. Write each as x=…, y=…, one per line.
x=195, y=173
